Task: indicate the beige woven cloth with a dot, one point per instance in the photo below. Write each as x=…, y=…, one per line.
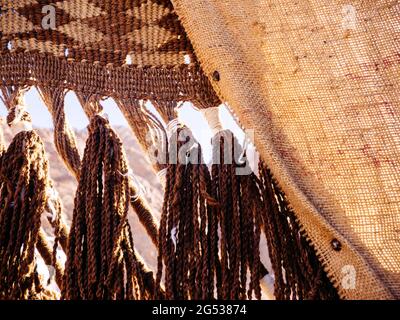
x=318, y=81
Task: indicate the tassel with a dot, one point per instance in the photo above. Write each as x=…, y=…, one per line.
x=210, y=225
x=23, y=196
x=66, y=145
x=101, y=262
x=184, y=234
x=239, y=219
x=148, y=130
x=13, y=98
x=298, y=272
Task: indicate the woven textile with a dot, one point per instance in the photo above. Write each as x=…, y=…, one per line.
x=116, y=48
x=318, y=82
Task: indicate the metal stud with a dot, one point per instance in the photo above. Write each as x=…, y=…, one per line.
x=216, y=76
x=336, y=245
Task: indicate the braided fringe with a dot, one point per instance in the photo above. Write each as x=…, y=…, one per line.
x=209, y=233
x=184, y=245
x=298, y=272
x=101, y=263
x=239, y=218
x=23, y=197
x=138, y=123
x=66, y=145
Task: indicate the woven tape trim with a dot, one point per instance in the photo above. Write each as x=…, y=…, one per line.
x=170, y=84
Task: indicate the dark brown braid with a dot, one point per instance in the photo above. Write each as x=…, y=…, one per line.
x=101, y=263
x=11, y=97
x=304, y=277
x=23, y=197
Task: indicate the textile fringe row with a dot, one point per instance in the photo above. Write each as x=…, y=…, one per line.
x=209, y=235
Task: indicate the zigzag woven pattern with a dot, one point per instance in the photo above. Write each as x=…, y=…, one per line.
x=113, y=48
x=100, y=32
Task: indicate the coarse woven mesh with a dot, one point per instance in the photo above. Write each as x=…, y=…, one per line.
x=318, y=82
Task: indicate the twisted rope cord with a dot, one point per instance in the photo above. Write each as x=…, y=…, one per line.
x=238, y=213
x=239, y=218
x=139, y=124
x=67, y=147
x=24, y=180
x=2, y=142
x=64, y=137
x=101, y=251
x=12, y=97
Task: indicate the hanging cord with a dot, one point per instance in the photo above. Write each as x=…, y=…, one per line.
x=101, y=262
x=189, y=242
x=20, y=120
x=54, y=216
x=139, y=124
x=24, y=179
x=47, y=253
x=298, y=272
x=148, y=130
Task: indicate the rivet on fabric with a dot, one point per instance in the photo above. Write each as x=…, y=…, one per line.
x=336, y=245
x=216, y=76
